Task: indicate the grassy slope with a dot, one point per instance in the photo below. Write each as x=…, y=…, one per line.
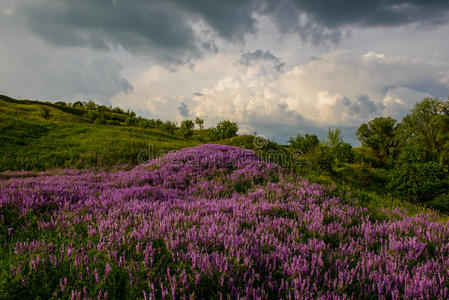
x=65, y=140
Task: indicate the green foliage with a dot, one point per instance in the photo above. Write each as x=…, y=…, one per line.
x=130, y=121
x=341, y=151
x=379, y=135
x=187, y=128
x=199, y=122
x=418, y=182
x=169, y=127
x=225, y=129
x=100, y=121
x=426, y=127
x=304, y=143
x=322, y=158
x=69, y=140
x=91, y=115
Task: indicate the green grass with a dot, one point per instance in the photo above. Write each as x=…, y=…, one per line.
x=37, y=136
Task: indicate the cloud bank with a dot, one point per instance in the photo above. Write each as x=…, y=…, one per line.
x=338, y=89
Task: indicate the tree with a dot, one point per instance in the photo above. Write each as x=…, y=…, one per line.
x=225, y=129
x=78, y=104
x=169, y=127
x=199, y=122
x=341, y=151
x=426, y=126
x=130, y=121
x=91, y=105
x=379, y=135
x=91, y=115
x=187, y=128
x=304, y=143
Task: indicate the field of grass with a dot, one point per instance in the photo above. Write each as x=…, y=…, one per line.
x=38, y=136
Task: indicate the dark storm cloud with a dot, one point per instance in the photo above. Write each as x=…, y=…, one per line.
x=249, y=57
x=163, y=29
x=318, y=20
x=30, y=69
x=159, y=29
x=143, y=27
x=362, y=106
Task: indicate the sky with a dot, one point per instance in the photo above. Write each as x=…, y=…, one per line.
x=278, y=68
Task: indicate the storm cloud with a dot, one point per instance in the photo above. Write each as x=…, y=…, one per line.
x=178, y=31
x=276, y=67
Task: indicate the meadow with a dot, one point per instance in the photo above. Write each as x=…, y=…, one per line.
x=96, y=202
x=209, y=222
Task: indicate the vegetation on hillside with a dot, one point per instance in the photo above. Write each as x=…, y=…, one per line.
x=407, y=160
x=397, y=160
x=42, y=135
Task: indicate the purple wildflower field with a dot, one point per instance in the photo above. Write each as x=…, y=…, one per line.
x=209, y=222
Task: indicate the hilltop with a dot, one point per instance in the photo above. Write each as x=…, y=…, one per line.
x=39, y=135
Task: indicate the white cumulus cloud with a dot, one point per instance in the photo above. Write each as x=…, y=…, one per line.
x=338, y=89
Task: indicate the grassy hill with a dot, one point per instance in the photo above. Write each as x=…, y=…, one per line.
x=38, y=135
x=41, y=136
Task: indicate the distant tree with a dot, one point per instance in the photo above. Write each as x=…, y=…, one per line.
x=225, y=129
x=91, y=115
x=379, y=135
x=304, y=143
x=130, y=121
x=187, y=128
x=78, y=104
x=199, y=122
x=118, y=110
x=91, y=105
x=334, y=137
x=60, y=103
x=131, y=113
x=169, y=127
x=103, y=108
x=341, y=151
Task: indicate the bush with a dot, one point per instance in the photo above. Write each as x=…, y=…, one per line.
x=321, y=157
x=225, y=129
x=130, y=121
x=100, y=121
x=343, y=153
x=187, y=128
x=199, y=122
x=91, y=115
x=440, y=202
x=418, y=182
x=169, y=127
x=304, y=143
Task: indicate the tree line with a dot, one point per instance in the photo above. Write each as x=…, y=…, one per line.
x=407, y=158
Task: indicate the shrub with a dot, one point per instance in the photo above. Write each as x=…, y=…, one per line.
x=418, y=182
x=199, y=122
x=225, y=129
x=304, y=143
x=130, y=121
x=169, y=127
x=100, y=121
x=187, y=128
x=91, y=115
